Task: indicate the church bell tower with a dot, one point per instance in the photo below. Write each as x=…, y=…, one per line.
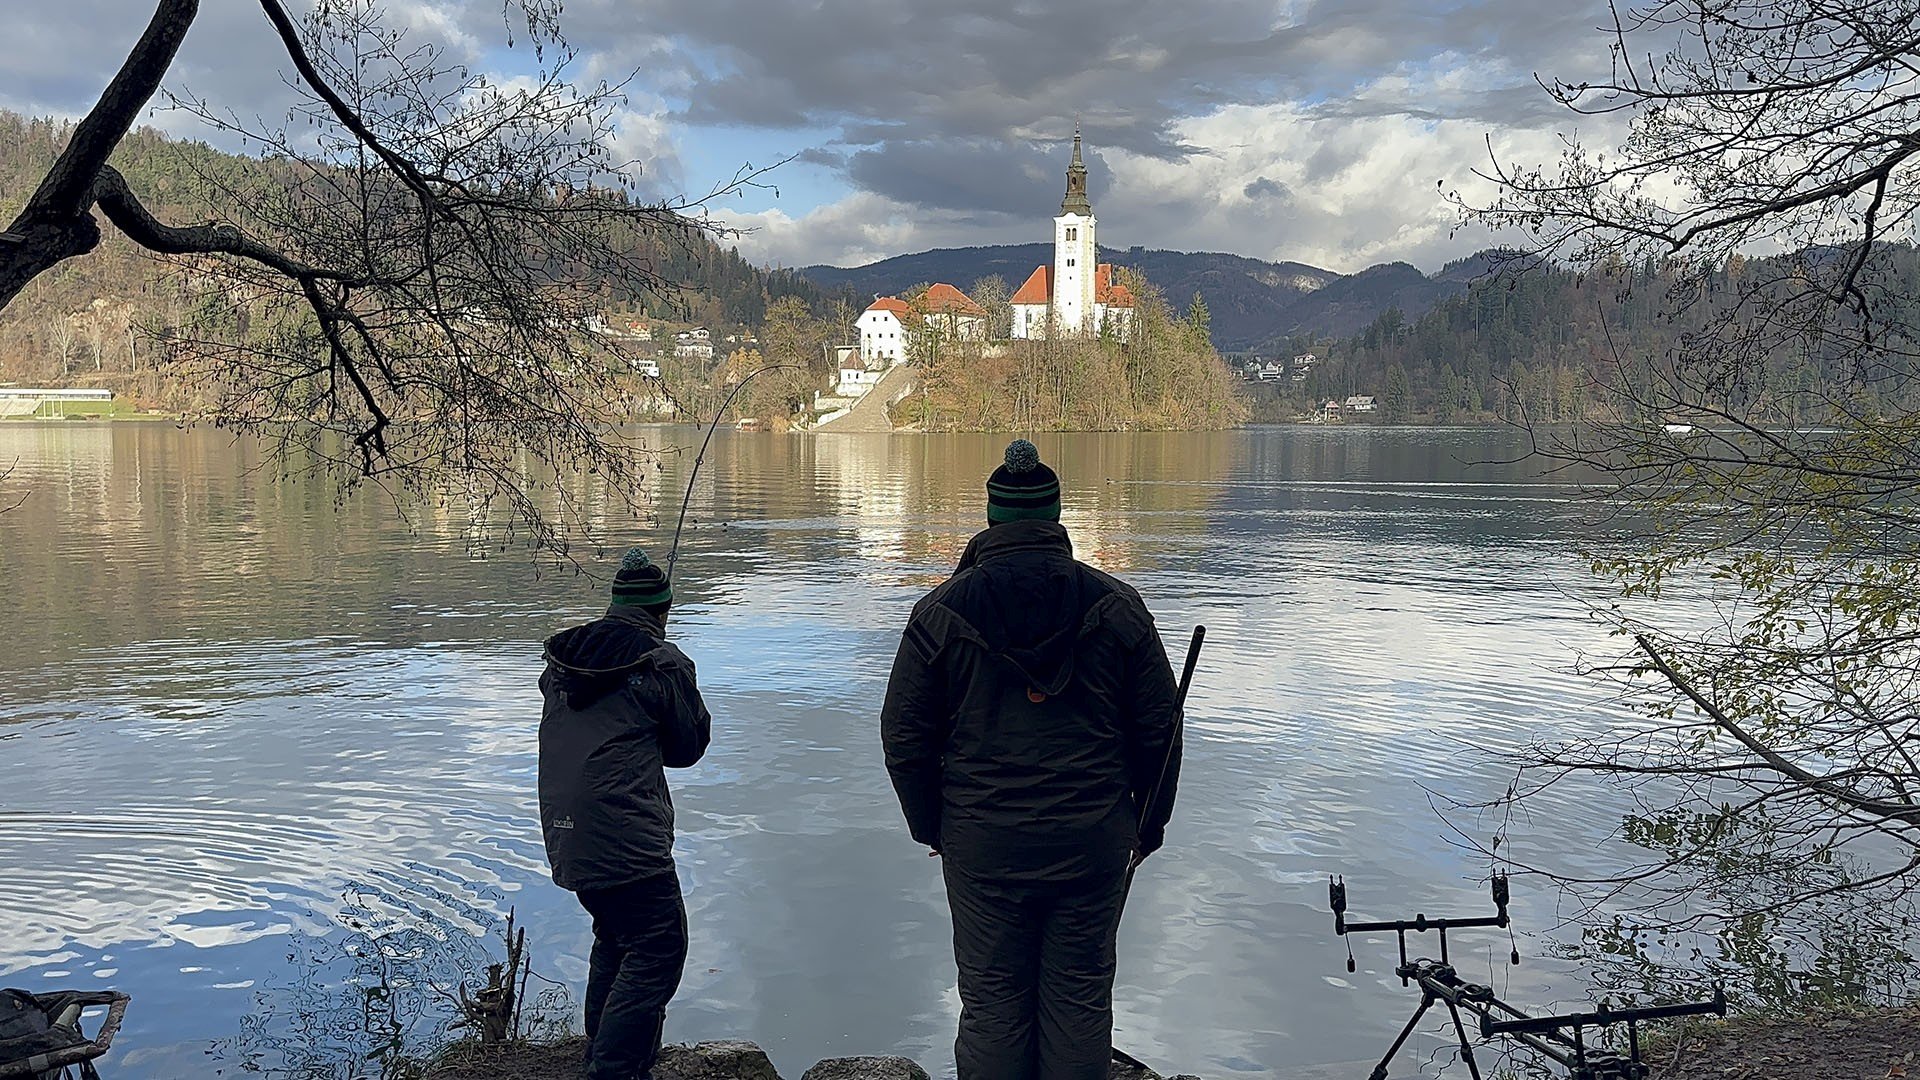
x=1074, y=253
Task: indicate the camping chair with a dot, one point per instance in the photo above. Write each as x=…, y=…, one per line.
x=40, y=1036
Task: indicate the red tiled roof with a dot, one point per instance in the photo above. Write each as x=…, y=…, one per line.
x=853, y=363
x=890, y=303
x=1037, y=289
x=944, y=299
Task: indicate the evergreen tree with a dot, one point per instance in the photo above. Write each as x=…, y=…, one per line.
x=1397, y=408
x=1198, y=319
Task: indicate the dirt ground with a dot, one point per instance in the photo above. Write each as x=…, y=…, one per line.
x=1881, y=1045
x=519, y=1061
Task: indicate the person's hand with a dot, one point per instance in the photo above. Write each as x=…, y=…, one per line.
x=1150, y=841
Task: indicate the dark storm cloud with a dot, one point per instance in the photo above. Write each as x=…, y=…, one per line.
x=1130, y=68
x=823, y=157
x=972, y=174
x=1266, y=188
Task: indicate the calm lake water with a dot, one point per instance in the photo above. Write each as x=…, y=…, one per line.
x=262, y=750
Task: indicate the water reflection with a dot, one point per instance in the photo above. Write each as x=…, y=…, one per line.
x=230, y=702
x=362, y=1002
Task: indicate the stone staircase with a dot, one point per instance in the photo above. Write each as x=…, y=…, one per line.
x=869, y=413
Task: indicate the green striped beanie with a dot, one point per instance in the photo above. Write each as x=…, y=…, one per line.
x=640, y=583
x=1023, y=488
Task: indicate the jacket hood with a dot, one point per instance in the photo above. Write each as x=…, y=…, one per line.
x=589, y=662
x=1027, y=599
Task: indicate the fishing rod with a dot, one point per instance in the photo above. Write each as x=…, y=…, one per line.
x=1561, y=1039
x=674, y=553
x=1153, y=794
x=1179, y=728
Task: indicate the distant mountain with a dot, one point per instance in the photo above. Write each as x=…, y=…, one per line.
x=1347, y=304
x=1254, y=304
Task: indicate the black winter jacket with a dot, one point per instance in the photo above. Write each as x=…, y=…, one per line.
x=1030, y=711
x=620, y=704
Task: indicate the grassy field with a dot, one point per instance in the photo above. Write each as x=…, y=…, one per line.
x=88, y=410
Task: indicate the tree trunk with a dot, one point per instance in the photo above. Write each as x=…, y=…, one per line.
x=57, y=223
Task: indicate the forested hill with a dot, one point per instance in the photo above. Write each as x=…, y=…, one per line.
x=64, y=317
x=1543, y=345
x=1252, y=303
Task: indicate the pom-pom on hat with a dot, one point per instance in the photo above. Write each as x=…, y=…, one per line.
x=1023, y=488
x=640, y=583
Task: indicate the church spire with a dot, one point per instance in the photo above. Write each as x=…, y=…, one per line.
x=1076, y=200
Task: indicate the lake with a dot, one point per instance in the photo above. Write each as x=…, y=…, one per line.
x=263, y=749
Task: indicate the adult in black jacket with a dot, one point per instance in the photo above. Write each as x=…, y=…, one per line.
x=1029, y=714
x=620, y=705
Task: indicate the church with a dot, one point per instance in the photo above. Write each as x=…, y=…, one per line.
x=1076, y=295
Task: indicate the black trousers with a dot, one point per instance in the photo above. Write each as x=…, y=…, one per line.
x=1036, y=975
x=639, y=951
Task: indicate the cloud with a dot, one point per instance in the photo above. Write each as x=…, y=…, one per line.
x=995, y=175
x=1309, y=129
x=1265, y=187
x=644, y=144
x=1277, y=182
x=859, y=228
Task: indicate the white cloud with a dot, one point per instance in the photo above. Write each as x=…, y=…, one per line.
x=1271, y=181
x=858, y=229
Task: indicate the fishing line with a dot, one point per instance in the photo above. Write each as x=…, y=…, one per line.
x=674, y=552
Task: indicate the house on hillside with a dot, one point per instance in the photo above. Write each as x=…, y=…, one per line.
x=883, y=330
x=1360, y=403
x=696, y=343
x=888, y=323
x=953, y=313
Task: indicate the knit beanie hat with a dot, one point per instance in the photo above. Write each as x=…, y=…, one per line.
x=1022, y=489
x=640, y=583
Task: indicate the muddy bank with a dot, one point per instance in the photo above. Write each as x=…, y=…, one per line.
x=1876, y=1045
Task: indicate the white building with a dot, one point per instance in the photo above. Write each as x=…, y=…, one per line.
x=1360, y=403
x=856, y=377
x=953, y=313
x=883, y=330
x=696, y=343
x=1076, y=295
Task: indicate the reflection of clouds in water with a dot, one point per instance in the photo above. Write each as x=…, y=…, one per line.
x=129, y=839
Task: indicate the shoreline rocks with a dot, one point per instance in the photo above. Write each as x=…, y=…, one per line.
x=726, y=1059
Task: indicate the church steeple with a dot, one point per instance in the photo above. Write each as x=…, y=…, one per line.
x=1076, y=200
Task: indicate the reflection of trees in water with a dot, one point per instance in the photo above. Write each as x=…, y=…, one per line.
x=1803, y=942
x=913, y=501
x=373, y=1001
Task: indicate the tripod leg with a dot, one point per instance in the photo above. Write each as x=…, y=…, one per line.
x=1380, y=1070
x=1466, y=1048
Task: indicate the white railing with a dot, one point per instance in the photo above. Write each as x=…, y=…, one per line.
x=56, y=395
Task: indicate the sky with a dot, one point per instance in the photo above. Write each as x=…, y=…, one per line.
x=1317, y=131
